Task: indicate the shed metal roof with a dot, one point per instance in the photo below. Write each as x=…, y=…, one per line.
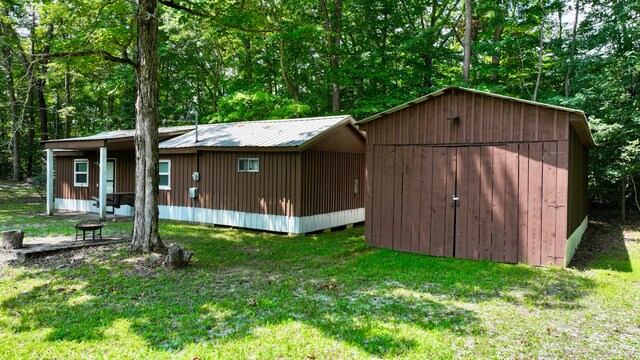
x=579, y=122
x=287, y=133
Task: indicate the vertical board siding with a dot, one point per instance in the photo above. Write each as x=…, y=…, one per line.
x=273, y=190
x=328, y=179
x=549, y=204
x=519, y=169
x=506, y=193
x=124, y=174
x=426, y=183
x=482, y=119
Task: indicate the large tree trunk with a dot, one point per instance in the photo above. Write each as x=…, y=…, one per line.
x=15, y=131
x=145, y=230
x=467, y=40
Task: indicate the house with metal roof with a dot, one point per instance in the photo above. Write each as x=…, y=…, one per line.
x=291, y=176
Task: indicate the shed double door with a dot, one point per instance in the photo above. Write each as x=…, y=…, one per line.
x=457, y=201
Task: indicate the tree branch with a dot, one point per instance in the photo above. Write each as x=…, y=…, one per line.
x=100, y=53
x=213, y=17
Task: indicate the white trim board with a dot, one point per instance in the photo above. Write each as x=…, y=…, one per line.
x=276, y=223
x=87, y=206
x=574, y=240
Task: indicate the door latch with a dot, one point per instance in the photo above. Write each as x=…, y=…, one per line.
x=456, y=200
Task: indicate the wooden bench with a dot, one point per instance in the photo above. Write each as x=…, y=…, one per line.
x=115, y=200
x=89, y=226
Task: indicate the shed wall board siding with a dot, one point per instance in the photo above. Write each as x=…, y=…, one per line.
x=506, y=191
x=578, y=183
x=328, y=181
x=483, y=119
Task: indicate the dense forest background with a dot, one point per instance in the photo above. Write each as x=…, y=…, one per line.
x=62, y=72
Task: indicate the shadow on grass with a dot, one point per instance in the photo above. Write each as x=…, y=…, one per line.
x=603, y=244
x=242, y=281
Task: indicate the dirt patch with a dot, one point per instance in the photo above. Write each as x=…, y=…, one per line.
x=111, y=256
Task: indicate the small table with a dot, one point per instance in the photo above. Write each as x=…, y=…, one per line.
x=89, y=226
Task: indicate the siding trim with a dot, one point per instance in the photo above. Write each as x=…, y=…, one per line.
x=276, y=223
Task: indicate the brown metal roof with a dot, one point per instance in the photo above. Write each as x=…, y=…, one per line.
x=286, y=134
x=579, y=121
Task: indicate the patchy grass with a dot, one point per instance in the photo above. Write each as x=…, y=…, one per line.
x=264, y=296
x=22, y=207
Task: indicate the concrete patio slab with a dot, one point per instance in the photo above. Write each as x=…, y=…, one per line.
x=35, y=247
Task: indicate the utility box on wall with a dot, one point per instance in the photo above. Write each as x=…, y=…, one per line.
x=193, y=193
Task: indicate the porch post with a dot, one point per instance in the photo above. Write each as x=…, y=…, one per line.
x=50, y=200
x=102, y=186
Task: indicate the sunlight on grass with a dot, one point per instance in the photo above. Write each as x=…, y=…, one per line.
x=327, y=296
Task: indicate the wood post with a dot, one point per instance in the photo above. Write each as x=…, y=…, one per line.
x=102, y=186
x=50, y=199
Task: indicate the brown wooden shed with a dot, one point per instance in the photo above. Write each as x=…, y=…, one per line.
x=470, y=174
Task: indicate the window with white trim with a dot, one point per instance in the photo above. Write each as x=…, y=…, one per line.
x=81, y=172
x=164, y=167
x=248, y=165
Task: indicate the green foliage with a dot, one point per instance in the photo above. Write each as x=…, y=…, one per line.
x=257, y=106
x=272, y=59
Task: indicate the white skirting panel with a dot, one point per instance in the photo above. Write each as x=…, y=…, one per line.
x=87, y=206
x=276, y=223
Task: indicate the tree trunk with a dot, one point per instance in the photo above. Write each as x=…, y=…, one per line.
x=42, y=109
x=335, y=59
x=427, y=77
x=623, y=199
x=567, y=78
x=12, y=239
x=285, y=77
x=248, y=63
x=467, y=40
x=495, y=58
x=40, y=84
x=145, y=230
x=67, y=96
x=333, y=29
x=540, y=52
x=15, y=131
x=31, y=135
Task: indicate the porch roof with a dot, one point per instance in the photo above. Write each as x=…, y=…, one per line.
x=116, y=139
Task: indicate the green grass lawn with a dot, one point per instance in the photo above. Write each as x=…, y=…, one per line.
x=329, y=296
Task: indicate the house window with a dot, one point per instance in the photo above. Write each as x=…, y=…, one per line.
x=248, y=165
x=81, y=173
x=165, y=174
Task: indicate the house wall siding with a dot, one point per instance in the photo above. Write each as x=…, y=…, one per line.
x=329, y=181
